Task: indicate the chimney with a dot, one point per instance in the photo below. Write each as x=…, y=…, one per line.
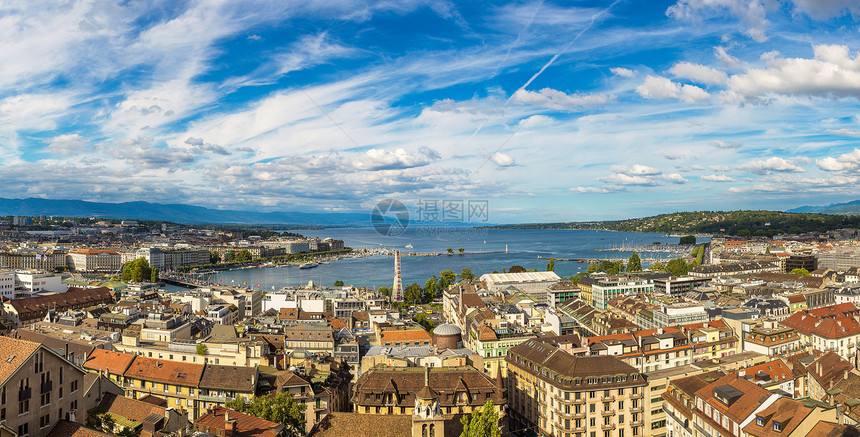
x=818, y=367
x=229, y=424
x=845, y=374
x=427, y=376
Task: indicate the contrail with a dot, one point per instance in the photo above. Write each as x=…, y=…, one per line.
x=519, y=35
x=550, y=62
x=535, y=76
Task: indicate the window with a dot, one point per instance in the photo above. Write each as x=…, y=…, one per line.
x=45, y=421
x=61, y=375
x=759, y=421
x=75, y=385
x=24, y=407
x=777, y=427
x=45, y=399
x=23, y=429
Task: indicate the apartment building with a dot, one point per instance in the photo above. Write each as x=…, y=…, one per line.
x=726, y=406
x=573, y=396
x=39, y=387
x=94, y=261
x=834, y=327
x=712, y=340
x=605, y=288
x=773, y=340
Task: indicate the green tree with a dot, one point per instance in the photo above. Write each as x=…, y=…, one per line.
x=446, y=278
x=516, y=269
x=244, y=256
x=634, y=264
x=202, y=349
x=677, y=267
x=688, y=239
x=467, y=275
x=214, y=257
x=136, y=271
x=384, y=291
x=430, y=287
x=450, y=251
x=412, y=295
x=461, y=250
x=153, y=275
x=281, y=408
x=801, y=271
x=483, y=422
x=550, y=266
x=229, y=256
x=338, y=283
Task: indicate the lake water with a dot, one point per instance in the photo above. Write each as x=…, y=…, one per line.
x=523, y=248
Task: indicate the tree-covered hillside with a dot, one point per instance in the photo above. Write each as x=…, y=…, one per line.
x=742, y=223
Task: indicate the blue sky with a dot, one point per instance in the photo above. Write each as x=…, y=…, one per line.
x=552, y=111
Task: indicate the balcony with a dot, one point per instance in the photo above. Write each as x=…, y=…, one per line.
x=637, y=422
x=606, y=427
x=609, y=398
x=212, y=398
x=580, y=428
x=636, y=395
x=24, y=394
x=579, y=401
x=636, y=409
x=609, y=412
x=47, y=386
x=579, y=415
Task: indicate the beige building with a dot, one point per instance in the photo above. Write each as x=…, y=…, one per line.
x=39, y=388
x=94, y=260
x=564, y=395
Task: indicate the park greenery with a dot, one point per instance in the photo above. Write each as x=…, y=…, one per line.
x=801, y=271
x=139, y=270
x=550, y=266
x=687, y=239
x=101, y=420
x=280, y=408
x=740, y=223
x=482, y=422
x=202, y=349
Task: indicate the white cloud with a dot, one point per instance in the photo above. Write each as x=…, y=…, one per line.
x=635, y=170
x=554, y=99
x=656, y=87
x=751, y=12
x=726, y=59
x=770, y=165
x=675, y=178
x=824, y=9
x=623, y=72
x=378, y=159
x=502, y=159
x=67, y=144
x=699, y=73
x=596, y=190
x=725, y=145
x=717, y=178
x=844, y=132
x=832, y=72
x=846, y=161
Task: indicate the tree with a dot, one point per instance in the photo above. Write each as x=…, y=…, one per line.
x=153, y=275
x=677, y=267
x=801, y=271
x=229, y=256
x=483, y=422
x=202, y=349
x=412, y=294
x=244, y=256
x=550, y=266
x=383, y=291
x=338, y=283
x=467, y=275
x=461, y=250
x=446, y=278
x=688, y=239
x=516, y=269
x=214, y=257
x=281, y=408
x=430, y=287
x=634, y=264
x=136, y=271
x=450, y=251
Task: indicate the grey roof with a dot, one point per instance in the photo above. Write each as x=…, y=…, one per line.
x=447, y=329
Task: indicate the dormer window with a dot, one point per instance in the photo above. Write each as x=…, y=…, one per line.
x=777, y=427
x=759, y=421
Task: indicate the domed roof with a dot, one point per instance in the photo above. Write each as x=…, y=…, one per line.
x=447, y=329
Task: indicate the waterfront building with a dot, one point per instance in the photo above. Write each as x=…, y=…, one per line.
x=556, y=393
x=532, y=283
x=94, y=261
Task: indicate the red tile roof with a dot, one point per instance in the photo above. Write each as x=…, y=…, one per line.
x=112, y=362
x=778, y=370
x=13, y=354
x=129, y=408
x=171, y=372
x=835, y=321
x=246, y=425
x=64, y=428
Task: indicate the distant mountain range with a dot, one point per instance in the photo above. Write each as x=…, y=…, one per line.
x=848, y=208
x=177, y=213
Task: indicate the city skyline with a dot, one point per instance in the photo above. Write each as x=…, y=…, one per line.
x=549, y=111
